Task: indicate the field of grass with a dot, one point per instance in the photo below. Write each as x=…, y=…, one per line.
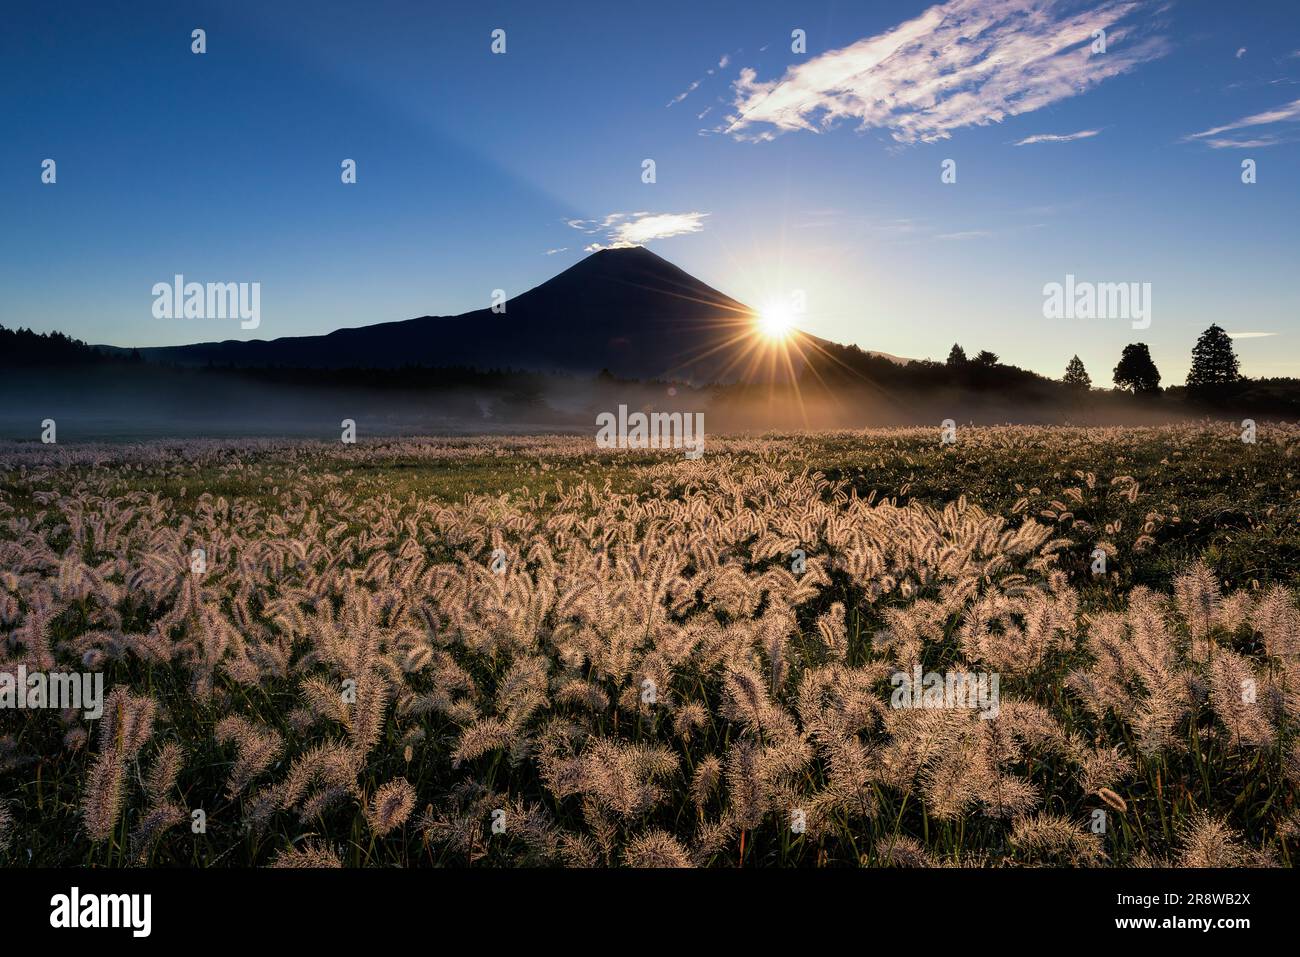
x=525, y=651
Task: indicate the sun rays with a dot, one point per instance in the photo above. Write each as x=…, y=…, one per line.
x=776, y=321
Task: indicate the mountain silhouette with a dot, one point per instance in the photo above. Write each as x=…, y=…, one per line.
x=624, y=310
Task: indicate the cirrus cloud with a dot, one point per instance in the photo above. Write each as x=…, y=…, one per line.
x=1057, y=137
x=1288, y=113
x=960, y=63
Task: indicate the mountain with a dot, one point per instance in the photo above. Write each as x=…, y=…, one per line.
x=625, y=310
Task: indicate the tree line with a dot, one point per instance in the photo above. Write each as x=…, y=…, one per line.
x=1214, y=370
x=22, y=347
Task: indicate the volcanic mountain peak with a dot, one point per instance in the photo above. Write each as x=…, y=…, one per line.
x=629, y=269
x=627, y=310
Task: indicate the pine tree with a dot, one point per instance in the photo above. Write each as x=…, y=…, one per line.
x=1136, y=371
x=1076, y=375
x=1214, y=363
x=956, y=356
x=986, y=358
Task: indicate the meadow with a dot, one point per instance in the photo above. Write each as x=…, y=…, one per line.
x=528, y=651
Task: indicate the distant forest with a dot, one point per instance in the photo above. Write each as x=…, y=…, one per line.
x=1214, y=384
x=833, y=370
x=22, y=347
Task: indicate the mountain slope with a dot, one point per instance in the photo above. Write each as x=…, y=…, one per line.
x=625, y=310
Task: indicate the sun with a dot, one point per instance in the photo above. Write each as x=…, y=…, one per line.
x=776, y=321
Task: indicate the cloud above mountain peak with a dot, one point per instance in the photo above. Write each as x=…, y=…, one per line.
x=621, y=230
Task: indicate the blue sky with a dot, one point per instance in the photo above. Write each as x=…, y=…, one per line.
x=779, y=171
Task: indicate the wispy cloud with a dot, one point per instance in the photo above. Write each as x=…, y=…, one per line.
x=636, y=229
x=897, y=229
x=1057, y=137
x=1283, y=114
x=960, y=63
x=1250, y=335
x=723, y=61
x=968, y=234
x=695, y=85
x=1253, y=143
x=562, y=249
x=818, y=219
